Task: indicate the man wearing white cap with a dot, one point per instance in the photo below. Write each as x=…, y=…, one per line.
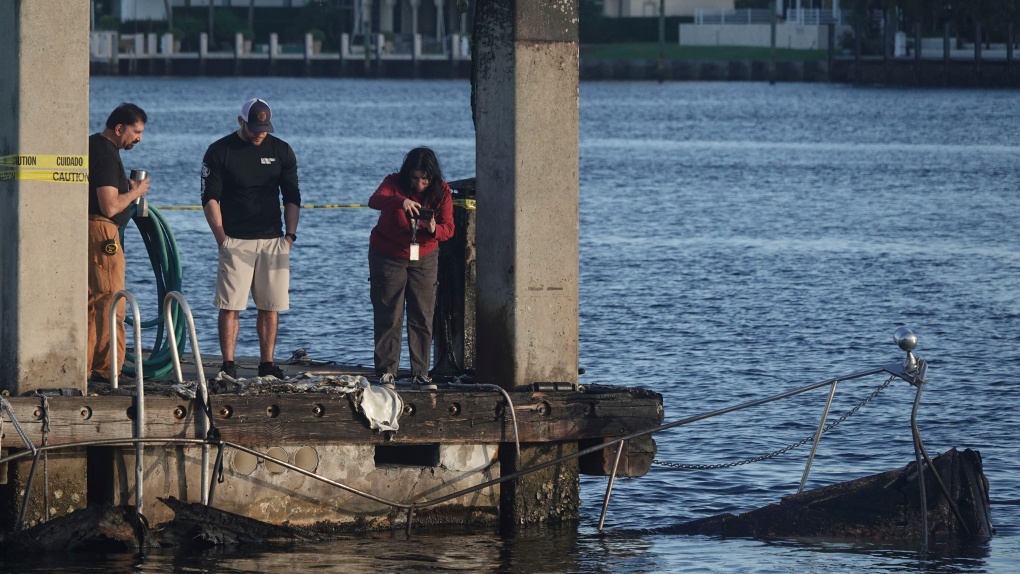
x=244, y=176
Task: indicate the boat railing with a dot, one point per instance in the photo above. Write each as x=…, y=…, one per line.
x=139, y=423
x=912, y=370
x=204, y=418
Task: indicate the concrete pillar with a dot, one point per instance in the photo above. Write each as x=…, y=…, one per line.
x=43, y=274
x=526, y=120
x=43, y=230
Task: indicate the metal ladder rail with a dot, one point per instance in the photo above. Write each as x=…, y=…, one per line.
x=139, y=426
x=895, y=370
x=201, y=419
x=912, y=370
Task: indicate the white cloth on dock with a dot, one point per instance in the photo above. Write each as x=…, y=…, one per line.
x=381, y=406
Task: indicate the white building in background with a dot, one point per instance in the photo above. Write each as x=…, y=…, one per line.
x=647, y=8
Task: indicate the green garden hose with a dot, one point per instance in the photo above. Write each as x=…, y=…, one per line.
x=166, y=265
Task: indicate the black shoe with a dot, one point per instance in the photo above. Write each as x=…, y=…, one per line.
x=423, y=383
x=271, y=370
x=229, y=369
x=97, y=378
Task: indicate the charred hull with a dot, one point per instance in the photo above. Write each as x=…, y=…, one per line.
x=883, y=506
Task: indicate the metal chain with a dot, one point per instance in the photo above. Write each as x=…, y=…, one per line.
x=780, y=451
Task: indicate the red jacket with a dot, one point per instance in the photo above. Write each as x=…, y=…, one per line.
x=392, y=234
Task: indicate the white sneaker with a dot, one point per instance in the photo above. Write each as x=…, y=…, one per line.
x=388, y=381
x=423, y=383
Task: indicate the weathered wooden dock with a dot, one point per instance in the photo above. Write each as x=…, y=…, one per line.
x=454, y=438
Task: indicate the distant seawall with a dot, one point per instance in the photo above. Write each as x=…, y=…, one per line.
x=927, y=72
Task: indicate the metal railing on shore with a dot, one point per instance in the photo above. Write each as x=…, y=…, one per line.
x=106, y=46
x=809, y=17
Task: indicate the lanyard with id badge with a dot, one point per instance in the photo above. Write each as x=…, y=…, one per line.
x=423, y=214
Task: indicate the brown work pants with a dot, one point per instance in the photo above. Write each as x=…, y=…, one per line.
x=106, y=277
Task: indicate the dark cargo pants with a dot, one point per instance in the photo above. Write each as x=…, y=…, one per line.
x=394, y=282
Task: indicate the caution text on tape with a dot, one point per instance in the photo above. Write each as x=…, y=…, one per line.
x=42, y=161
x=44, y=175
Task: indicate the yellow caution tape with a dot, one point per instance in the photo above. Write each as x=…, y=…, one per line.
x=45, y=161
x=45, y=175
x=324, y=206
x=335, y=206
x=465, y=203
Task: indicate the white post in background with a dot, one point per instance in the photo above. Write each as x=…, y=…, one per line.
x=439, y=19
x=167, y=44
x=455, y=46
x=345, y=45
x=414, y=16
x=203, y=45
x=238, y=44
x=386, y=15
x=150, y=45
x=139, y=44
x=308, y=46
x=274, y=45
x=417, y=47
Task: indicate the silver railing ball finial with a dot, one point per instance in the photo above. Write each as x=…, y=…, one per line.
x=906, y=339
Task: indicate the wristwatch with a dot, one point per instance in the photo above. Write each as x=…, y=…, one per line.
x=293, y=237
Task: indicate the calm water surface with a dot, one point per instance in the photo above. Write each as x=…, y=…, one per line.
x=737, y=240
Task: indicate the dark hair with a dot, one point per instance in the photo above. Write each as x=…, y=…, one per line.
x=127, y=114
x=425, y=160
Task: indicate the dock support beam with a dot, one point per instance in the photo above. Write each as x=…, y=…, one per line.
x=44, y=87
x=525, y=105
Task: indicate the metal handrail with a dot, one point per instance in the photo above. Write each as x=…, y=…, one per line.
x=202, y=420
x=139, y=426
x=818, y=437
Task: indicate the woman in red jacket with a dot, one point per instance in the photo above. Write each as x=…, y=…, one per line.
x=416, y=213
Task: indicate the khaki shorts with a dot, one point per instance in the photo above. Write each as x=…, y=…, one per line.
x=259, y=266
